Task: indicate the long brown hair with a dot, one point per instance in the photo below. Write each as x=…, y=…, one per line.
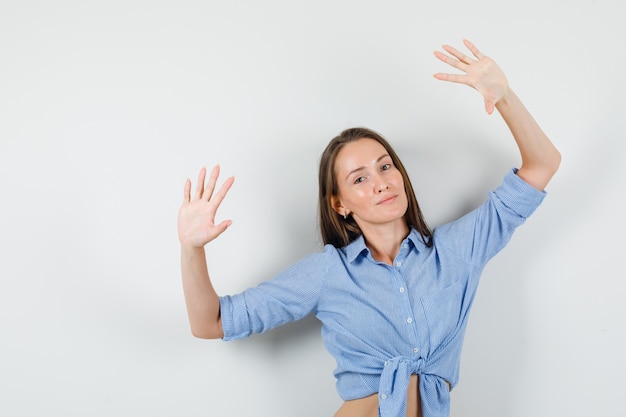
x=338, y=231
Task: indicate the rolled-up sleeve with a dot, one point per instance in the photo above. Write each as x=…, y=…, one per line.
x=519, y=196
x=289, y=296
x=480, y=234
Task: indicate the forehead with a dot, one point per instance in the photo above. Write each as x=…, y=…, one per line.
x=357, y=154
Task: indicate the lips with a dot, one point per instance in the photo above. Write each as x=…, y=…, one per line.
x=387, y=199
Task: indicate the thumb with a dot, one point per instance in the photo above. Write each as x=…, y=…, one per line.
x=222, y=226
x=217, y=230
x=489, y=106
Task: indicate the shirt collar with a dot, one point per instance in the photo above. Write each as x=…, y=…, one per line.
x=357, y=246
x=416, y=239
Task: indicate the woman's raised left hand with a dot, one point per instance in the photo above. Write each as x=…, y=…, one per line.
x=481, y=73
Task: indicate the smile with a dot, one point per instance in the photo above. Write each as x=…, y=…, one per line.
x=388, y=200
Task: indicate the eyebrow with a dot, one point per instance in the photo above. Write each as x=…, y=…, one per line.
x=363, y=167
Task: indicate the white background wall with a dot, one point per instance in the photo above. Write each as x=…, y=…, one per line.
x=107, y=107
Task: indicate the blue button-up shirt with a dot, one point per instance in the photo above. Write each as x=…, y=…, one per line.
x=381, y=322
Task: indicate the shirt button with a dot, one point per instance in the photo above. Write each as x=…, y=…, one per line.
x=405, y=246
x=409, y=320
x=398, y=264
x=415, y=350
x=383, y=396
x=401, y=289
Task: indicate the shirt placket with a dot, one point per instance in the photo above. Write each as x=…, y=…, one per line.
x=405, y=301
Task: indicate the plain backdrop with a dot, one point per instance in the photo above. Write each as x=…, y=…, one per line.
x=106, y=107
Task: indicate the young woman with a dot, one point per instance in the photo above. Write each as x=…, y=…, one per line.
x=393, y=297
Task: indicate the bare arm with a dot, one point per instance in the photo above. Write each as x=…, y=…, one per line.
x=540, y=159
x=196, y=228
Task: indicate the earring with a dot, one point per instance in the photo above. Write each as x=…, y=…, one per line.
x=344, y=216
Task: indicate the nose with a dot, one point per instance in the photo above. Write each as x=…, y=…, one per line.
x=380, y=184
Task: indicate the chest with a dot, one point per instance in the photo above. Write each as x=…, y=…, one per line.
x=412, y=305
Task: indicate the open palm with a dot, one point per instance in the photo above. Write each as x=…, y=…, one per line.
x=196, y=217
x=481, y=73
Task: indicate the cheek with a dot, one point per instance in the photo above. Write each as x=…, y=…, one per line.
x=356, y=197
x=401, y=187
x=398, y=180
x=348, y=195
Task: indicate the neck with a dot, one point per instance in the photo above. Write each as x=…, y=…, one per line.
x=384, y=241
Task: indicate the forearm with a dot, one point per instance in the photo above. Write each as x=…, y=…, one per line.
x=540, y=159
x=203, y=306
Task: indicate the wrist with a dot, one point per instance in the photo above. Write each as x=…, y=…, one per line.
x=507, y=98
x=190, y=248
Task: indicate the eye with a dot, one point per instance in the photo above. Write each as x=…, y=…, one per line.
x=359, y=180
x=386, y=167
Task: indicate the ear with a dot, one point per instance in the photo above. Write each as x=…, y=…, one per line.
x=337, y=205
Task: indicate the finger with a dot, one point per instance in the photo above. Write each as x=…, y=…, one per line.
x=489, y=106
x=221, y=193
x=450, y=61
x=200, y=184
x=453, y=78
x=458, y=54
x=473, y=49
x=218, y=229
x=222, y=226
x=210, y=186
x=187, y=192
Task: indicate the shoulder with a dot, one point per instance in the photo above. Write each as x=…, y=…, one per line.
x=481, y=233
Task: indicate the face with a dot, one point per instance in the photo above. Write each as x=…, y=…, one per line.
x=371, y=188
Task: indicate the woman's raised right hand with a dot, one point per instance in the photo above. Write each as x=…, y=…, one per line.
x=196, y=217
